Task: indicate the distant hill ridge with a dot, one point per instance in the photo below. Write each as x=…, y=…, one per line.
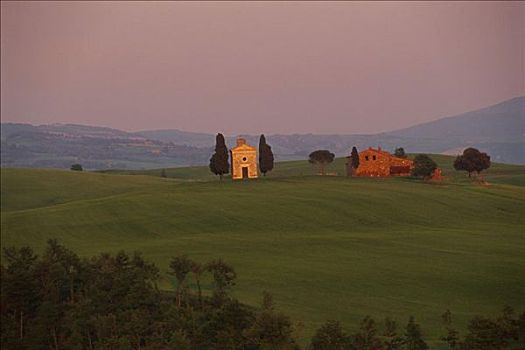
x=498, y=130
x=504, y=121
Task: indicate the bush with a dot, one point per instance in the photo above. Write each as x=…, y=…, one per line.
x=76, y=167
x=424, y=166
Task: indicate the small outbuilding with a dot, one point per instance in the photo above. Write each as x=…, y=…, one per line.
x=437, y=175
x=243, y=161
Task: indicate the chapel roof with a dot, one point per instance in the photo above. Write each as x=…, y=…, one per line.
x=242, y=145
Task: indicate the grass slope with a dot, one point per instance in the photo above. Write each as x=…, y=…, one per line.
x=327, y=247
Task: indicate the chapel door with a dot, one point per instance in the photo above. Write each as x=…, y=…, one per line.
x=245, y=172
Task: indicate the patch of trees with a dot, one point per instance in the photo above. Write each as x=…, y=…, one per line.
x=472, y=160
x=504, y=332
x=321, y=158
x=219, y=164
x=332, y=336
x=61, y=301
x=424, y=166
x=265, y=156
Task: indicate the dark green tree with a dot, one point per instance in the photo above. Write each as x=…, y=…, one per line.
x=321, y=158
x=76, y=167
x=508, y=324
x=413, y=337
x=424, y=166
x=180, y=267
x=267, y=301
x=366, y=337
x=472, y=160
x=197, y=269
x=392, y=340
x=219, y=162
x=179, y=340
x=265, y=156
x=353, y=162
x=452, y=337
x=20, y=293
x=484, y=334
x=503, y=332
x=223, y=278
x=330, y=336
x=520, y=328
x=271, y=330
x=163, y=173
x=355, y=158
x=400, y=152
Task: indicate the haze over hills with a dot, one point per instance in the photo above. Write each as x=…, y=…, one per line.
x=498, y=130
x=59, y=146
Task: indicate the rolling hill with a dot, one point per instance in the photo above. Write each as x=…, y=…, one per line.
x=497, y=130
x=60, y=145
x=327, y=247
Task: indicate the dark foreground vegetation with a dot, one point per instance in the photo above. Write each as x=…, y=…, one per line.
x=60, y=301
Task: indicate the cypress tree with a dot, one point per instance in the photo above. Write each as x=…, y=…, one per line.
x=265, y=156
x=354, y=158
x=219, y=164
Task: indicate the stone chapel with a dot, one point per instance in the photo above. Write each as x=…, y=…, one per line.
x=243, y=161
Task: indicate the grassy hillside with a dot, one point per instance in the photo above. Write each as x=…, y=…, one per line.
x=326, y=247
x=498, y=173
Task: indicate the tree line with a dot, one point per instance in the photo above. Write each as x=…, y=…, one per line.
x=503, y=332
x=61, y=301
x=472, y=160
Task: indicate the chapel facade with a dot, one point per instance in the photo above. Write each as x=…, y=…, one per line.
x=243, y=161
x=376, y=162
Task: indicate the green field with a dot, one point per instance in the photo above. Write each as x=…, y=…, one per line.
x=327, y=247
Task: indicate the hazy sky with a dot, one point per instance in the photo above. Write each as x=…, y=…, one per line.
x=276, y=67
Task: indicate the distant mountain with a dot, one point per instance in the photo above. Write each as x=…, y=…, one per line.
x=504, y=122
x=497, y=130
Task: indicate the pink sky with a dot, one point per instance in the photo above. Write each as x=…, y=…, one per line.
x=276, y=67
